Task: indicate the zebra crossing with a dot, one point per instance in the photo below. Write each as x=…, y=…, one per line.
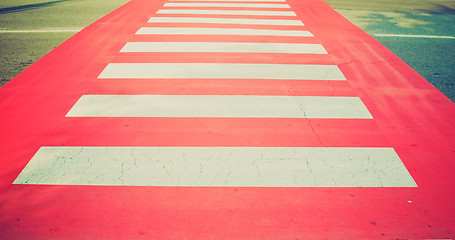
x=325, y=135
x=220, y=166
x=222, y=71
x=250, y=5
x=219, y=106
x=235, y=47
x=223, y=31
x=279, y=22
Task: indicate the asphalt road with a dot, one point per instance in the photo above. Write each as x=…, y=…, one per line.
x=100, y=141
x=29, y=29
x=420, y=32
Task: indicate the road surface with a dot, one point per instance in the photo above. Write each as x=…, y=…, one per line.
x=292, y=126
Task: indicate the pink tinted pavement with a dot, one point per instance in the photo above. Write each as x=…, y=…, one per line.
x=409, y=114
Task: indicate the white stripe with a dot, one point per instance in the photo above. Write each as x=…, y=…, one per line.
x=229, y=0
x=41, y=31
x=217, y=167
x=222, y=71
x=228, y=106
x=223, y=31
x=226, y=12
x=226, y=21
x=297, y=48
x=413, y=36
x=239, y=5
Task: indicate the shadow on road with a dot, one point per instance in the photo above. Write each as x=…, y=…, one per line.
x=31, y=6
x=407, y=23
x=439, y=9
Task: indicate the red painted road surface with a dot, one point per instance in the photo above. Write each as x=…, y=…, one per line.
x=409, y=115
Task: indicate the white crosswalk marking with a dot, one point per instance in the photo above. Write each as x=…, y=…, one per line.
x=283, y=22
x=233, y=106
x=217, y=166
x=224, y=47
x=226, y=12
x=229, y=0
x=239, y=5
x=223, y=31
x=222, y=71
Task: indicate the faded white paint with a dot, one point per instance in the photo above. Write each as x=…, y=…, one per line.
x=222, y=71
x=413, y=36
x=283, y=22
x=227, y=106
x=41, y=31
x=226, y=12
x=230, y=0
x=217, y=166
x=223, y=31
x=235, y=5
x=297, y=48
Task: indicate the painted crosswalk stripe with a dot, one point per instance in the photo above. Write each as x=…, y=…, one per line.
x=217, y=167
x=222, y=71
x=224, y=106
x=226, y=12
x=297, y=48
x=279, y=1
x=282, y=22
x=236, y=5
x=223, y=31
